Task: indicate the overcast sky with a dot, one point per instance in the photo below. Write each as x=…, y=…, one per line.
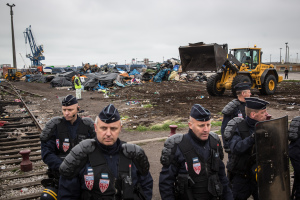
x=101, y=31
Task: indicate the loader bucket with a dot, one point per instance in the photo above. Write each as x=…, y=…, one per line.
x=202, y=57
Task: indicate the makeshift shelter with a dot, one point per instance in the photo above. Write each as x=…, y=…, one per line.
x=35, y=78
x=67, y=75
x=60, y=82
x=105, y=80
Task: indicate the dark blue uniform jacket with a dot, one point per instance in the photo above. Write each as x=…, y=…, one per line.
x=71, y=188
x=168, y=175
x=238, y=145
x=48, y=148
x=294, y=153
x=227, y=118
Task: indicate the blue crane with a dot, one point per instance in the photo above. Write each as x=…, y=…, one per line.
x=37, y=51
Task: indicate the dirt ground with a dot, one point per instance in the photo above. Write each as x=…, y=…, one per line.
x=153, y=103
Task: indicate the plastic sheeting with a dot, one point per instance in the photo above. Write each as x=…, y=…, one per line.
x=36, y=78
x=134, y=72
x=60, y=82
x=161, y=75
x=105, y=80
x=67, y=75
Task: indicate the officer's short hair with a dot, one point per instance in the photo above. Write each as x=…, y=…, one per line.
x=238, y=93
x=249, y=110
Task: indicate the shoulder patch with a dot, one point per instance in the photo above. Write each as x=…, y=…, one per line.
x=77, y=158
x=48, y=129
x=294, y=130
x=231, y=127
x=166, y=154
x=138, y=156
x=231, y=107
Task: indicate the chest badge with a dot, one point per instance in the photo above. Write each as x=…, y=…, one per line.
x=196, y=165
x=57, y=143
x=240, y=115
x=66, y=145
x=89, y=179
x=103, y=182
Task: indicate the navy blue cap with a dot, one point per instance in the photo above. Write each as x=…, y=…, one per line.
x=69, y=100
x=242, y=86
x=109, y=114
x=200, y=113
x=256, y=103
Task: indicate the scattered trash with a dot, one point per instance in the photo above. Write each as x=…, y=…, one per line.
x=132, y=103
x=24, y=189
x=199, y=97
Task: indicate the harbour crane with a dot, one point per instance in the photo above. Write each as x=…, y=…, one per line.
x=37, y=51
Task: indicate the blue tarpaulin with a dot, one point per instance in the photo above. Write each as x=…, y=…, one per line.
x=175, y=68
x=101, y=87
x=161, y=74
x=134, y=72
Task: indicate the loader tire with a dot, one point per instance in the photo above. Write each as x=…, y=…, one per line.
x=212, y=85
x=239, y=79
x=269, y=85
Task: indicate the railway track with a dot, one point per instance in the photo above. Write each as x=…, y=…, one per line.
x=19, y=130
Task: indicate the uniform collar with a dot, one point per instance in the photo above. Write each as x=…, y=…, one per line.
x=196, y=139
x=113, y=149
x=75, y=122
x=251, y=122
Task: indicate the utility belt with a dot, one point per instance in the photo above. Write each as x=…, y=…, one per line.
x=187, y=188
x=128, y=192
x=52, y=180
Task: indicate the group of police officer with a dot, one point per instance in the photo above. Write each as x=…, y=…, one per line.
x=87, y=160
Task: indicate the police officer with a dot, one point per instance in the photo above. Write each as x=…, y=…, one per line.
x=240, y=136
x=294, y=153
x=61, y=134
x=192, y=162
x=235, y=108
x=106, y=167
x=77, y=85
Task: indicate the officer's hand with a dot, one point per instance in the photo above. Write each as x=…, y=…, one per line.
x=253, y=136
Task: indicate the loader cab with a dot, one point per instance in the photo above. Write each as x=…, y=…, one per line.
x=11, y=74
x=248, y=56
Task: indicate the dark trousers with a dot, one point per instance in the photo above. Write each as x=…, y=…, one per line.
x=286, y=76
x=243, y=188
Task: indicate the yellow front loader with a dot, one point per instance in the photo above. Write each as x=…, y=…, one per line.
x=12, y=74
x=240, y=65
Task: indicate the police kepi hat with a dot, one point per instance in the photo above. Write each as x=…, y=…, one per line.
x=109, y=114
x=200, y=113
x=256, y=103
x=69, y=100
x=242, y=86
